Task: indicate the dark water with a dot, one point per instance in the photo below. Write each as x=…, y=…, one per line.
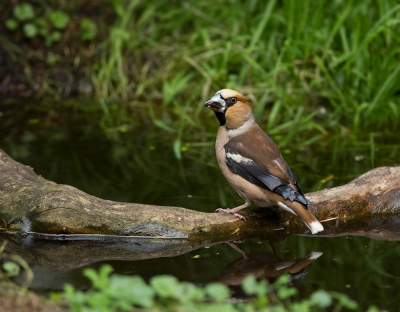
x=140, y=167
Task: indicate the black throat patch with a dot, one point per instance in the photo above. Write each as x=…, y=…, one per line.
x=221, y=118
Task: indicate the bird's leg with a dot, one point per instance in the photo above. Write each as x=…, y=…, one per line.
x=233, y=245
x=235, y=210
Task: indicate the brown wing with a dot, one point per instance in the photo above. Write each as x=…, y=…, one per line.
x=256, y=158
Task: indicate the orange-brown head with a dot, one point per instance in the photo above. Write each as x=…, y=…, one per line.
x=231, y=108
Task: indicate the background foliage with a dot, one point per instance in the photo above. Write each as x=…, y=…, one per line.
x=307, y=66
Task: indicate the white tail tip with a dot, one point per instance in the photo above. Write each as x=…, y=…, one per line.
x=316, y=227
x=315, y=255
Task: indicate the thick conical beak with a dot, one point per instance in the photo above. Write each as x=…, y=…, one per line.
x=216, y=103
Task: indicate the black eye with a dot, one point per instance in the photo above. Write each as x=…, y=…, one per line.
x=232, y=100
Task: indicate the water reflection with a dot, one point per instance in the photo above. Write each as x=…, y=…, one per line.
x=265, y=264
x=56, y=259
x=357, y=266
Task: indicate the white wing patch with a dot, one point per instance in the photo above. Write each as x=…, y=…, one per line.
x=239, y=158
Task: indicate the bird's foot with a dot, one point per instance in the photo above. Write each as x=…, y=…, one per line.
x=233, y=212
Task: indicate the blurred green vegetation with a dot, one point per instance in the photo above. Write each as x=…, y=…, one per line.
x=48, y=27
x=310, y=68
x=166, y=293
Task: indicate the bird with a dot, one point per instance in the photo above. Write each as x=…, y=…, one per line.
x=252, y=163
x=265, y=264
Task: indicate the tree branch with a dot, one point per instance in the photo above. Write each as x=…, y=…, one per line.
x=368, y=205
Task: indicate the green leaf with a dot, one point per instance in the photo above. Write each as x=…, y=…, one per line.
x=283, y=280
x=345, y=301
x=98, y=300
x=30, y=30
x=119, y=33
x=11, y=24
x=304, y=306
x=218, y=292
x=322, y=298
x=88, y=28
x=59, y=19
x=76, y=299
x=162, y=125
x=190, y=292
x=285, y=292
x=251, y=287
x=43, y=32
x=48, y=41
x=177, y=148
x=99, y=280
x=164, y=285
x=24, y=11
x=43, y=26
x=56, y=36
x=11, y=268
x=41, y=22
x=217, y=307
x=130, y=290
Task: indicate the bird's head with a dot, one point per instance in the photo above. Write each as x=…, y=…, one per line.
x=231, y=108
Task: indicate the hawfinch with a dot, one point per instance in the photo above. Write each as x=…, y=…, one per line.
x=252, y=163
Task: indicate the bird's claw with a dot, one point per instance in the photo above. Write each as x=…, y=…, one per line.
x=231, y=211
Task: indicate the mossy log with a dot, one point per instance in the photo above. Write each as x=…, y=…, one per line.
x=368, y=205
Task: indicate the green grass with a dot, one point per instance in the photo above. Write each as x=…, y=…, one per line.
x=308, y=67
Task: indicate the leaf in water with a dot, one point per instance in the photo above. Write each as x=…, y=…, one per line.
x=218, y=292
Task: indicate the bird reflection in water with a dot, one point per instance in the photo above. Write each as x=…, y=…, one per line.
x=265, y=265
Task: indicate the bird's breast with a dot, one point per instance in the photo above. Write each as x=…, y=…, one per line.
x=244, y=188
